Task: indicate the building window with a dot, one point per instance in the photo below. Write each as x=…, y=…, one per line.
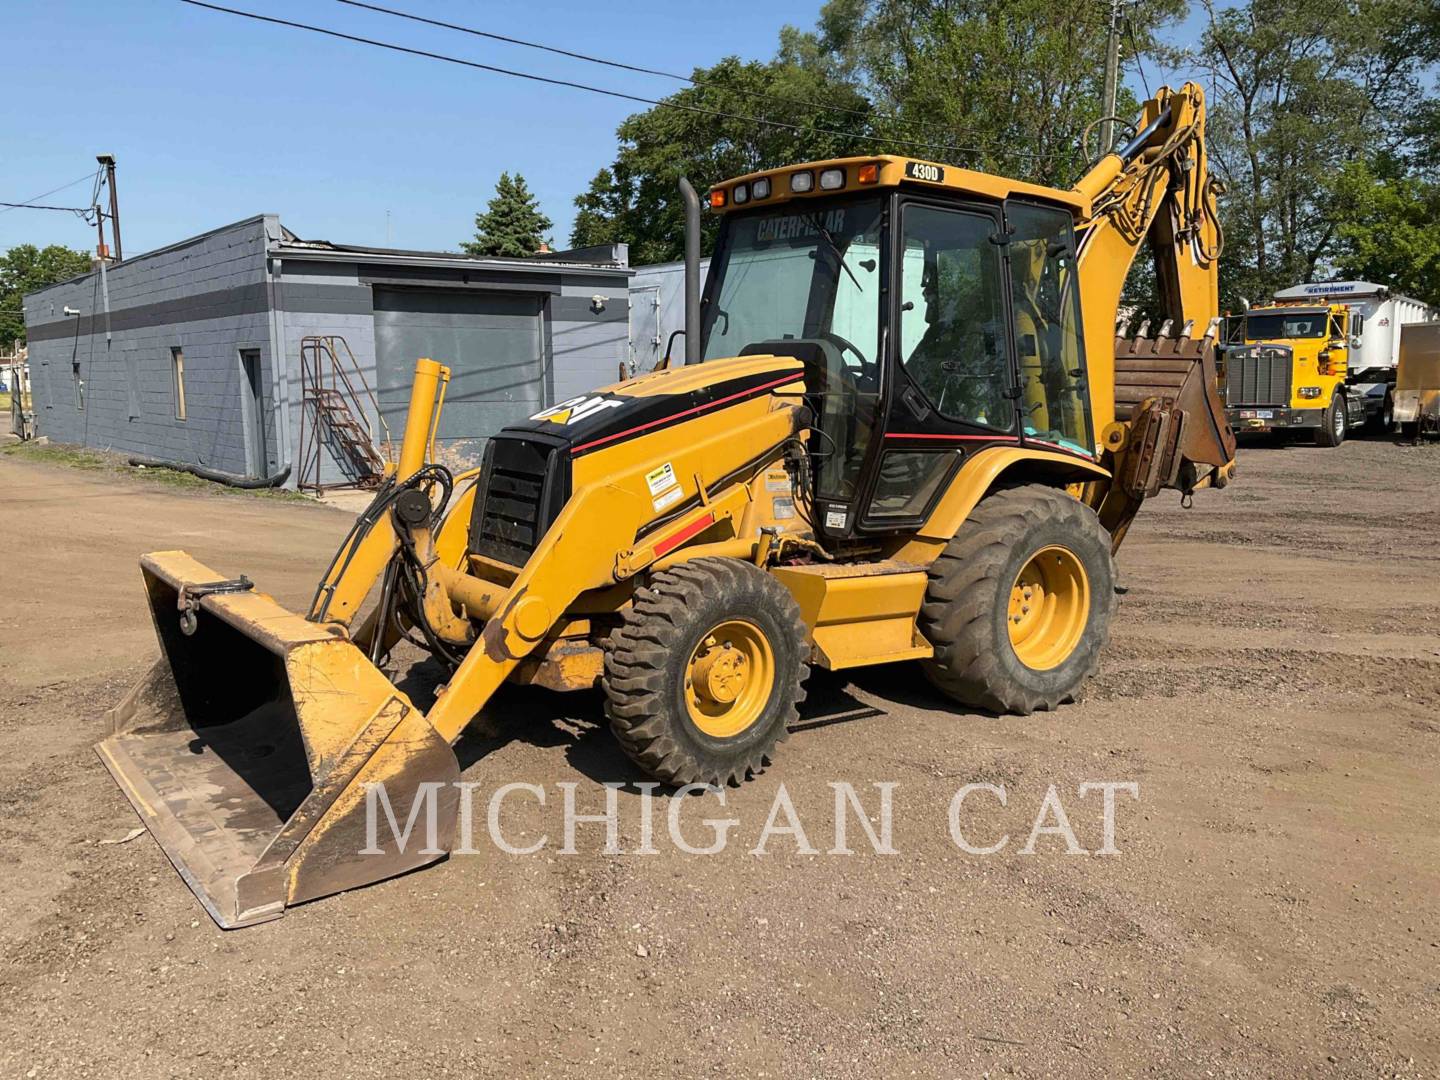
x=177, y=365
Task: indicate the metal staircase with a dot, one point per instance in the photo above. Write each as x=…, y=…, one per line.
x=334, y=419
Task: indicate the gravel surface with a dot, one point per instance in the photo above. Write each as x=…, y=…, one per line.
x=1272, y=687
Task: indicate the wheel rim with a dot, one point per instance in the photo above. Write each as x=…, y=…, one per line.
x=729, y=678
x=1339, y=419
x=1049, y=607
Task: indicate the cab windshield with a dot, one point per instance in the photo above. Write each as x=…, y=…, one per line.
x=804, y=280
x=798, y=272
x=1281, y=326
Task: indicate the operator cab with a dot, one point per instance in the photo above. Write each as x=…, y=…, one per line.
x=934, y=321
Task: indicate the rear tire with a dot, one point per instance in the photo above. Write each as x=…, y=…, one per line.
x=1334, y=425
x=999, y=563
x=704, y=674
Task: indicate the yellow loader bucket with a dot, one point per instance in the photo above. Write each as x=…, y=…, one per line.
x=249, y=750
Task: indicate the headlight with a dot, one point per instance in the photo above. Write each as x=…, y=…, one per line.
x=741, y=194
x=832, y=179
x=1309, y=391
x=802, y=181
x=761, y=188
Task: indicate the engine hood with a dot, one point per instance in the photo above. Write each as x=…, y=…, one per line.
x=611, y=414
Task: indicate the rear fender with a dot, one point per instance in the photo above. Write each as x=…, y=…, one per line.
x=987, y=470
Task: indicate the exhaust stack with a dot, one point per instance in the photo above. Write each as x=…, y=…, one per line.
x=692, y=271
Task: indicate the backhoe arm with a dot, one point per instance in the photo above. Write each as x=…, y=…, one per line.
x=1164, y=423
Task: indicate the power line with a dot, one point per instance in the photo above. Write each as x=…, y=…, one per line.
x=1139, y=63
x=589, y=59
x=36, y=198
x=531, y=77
x=521, y=41
x=39, y=206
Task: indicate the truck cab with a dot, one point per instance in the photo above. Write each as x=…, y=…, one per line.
x=1286, y=368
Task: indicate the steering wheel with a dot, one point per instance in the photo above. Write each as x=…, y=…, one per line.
x=855, y=371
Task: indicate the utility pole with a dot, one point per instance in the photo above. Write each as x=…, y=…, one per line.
x=1112, y=75
x=108, y=161
x=100, y=252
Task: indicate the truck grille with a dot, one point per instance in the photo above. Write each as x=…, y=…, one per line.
x=521, y=491
x=1257, y=375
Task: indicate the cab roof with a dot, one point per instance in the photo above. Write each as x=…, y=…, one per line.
x=880, y=171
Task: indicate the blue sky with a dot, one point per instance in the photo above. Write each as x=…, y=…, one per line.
x=213, y=118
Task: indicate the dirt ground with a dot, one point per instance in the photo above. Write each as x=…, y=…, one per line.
x=1272, y=687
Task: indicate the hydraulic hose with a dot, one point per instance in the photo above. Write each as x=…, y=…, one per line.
x=247, y=483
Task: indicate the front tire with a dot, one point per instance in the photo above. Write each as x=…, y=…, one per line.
x=1335, y=424
x=1019, y=604
x=703, y=676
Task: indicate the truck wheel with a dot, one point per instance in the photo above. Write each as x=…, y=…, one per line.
x=704, y=674
x=1334, y=425
x=1018, y=606
x=1387, y=412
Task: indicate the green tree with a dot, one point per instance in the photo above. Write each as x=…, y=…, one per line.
x=1389, y=228
x=512, y=226
x=1389, y=209
x=703, y=134
x=25, y=268
x=1010, y=85
x=1309, y=99
x=873, y=76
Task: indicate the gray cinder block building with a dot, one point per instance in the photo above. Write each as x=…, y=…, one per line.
x=210, y=352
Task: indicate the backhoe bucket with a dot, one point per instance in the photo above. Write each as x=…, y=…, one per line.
x=1166, y=389
x=252, y=747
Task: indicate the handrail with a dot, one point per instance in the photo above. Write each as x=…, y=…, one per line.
x=364, y=382
x=328, y=388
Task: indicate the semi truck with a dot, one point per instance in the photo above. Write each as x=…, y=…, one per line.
x=1319, y=358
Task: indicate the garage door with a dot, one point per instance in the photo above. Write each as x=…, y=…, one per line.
x=490, y=341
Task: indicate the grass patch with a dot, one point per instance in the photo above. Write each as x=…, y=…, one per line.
x=76, y=457
x=4, y=400
x=103, y=461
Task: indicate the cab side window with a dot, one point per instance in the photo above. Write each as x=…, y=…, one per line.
x=1045, y=289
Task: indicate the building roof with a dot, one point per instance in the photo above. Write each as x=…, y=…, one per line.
x=608, y=259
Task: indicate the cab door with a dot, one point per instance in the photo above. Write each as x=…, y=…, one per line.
x=1054, y=399
x=951, y=372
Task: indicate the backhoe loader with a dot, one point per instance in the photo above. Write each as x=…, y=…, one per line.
x=903, y=430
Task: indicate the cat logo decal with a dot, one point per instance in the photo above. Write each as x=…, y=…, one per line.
x=577, y=409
